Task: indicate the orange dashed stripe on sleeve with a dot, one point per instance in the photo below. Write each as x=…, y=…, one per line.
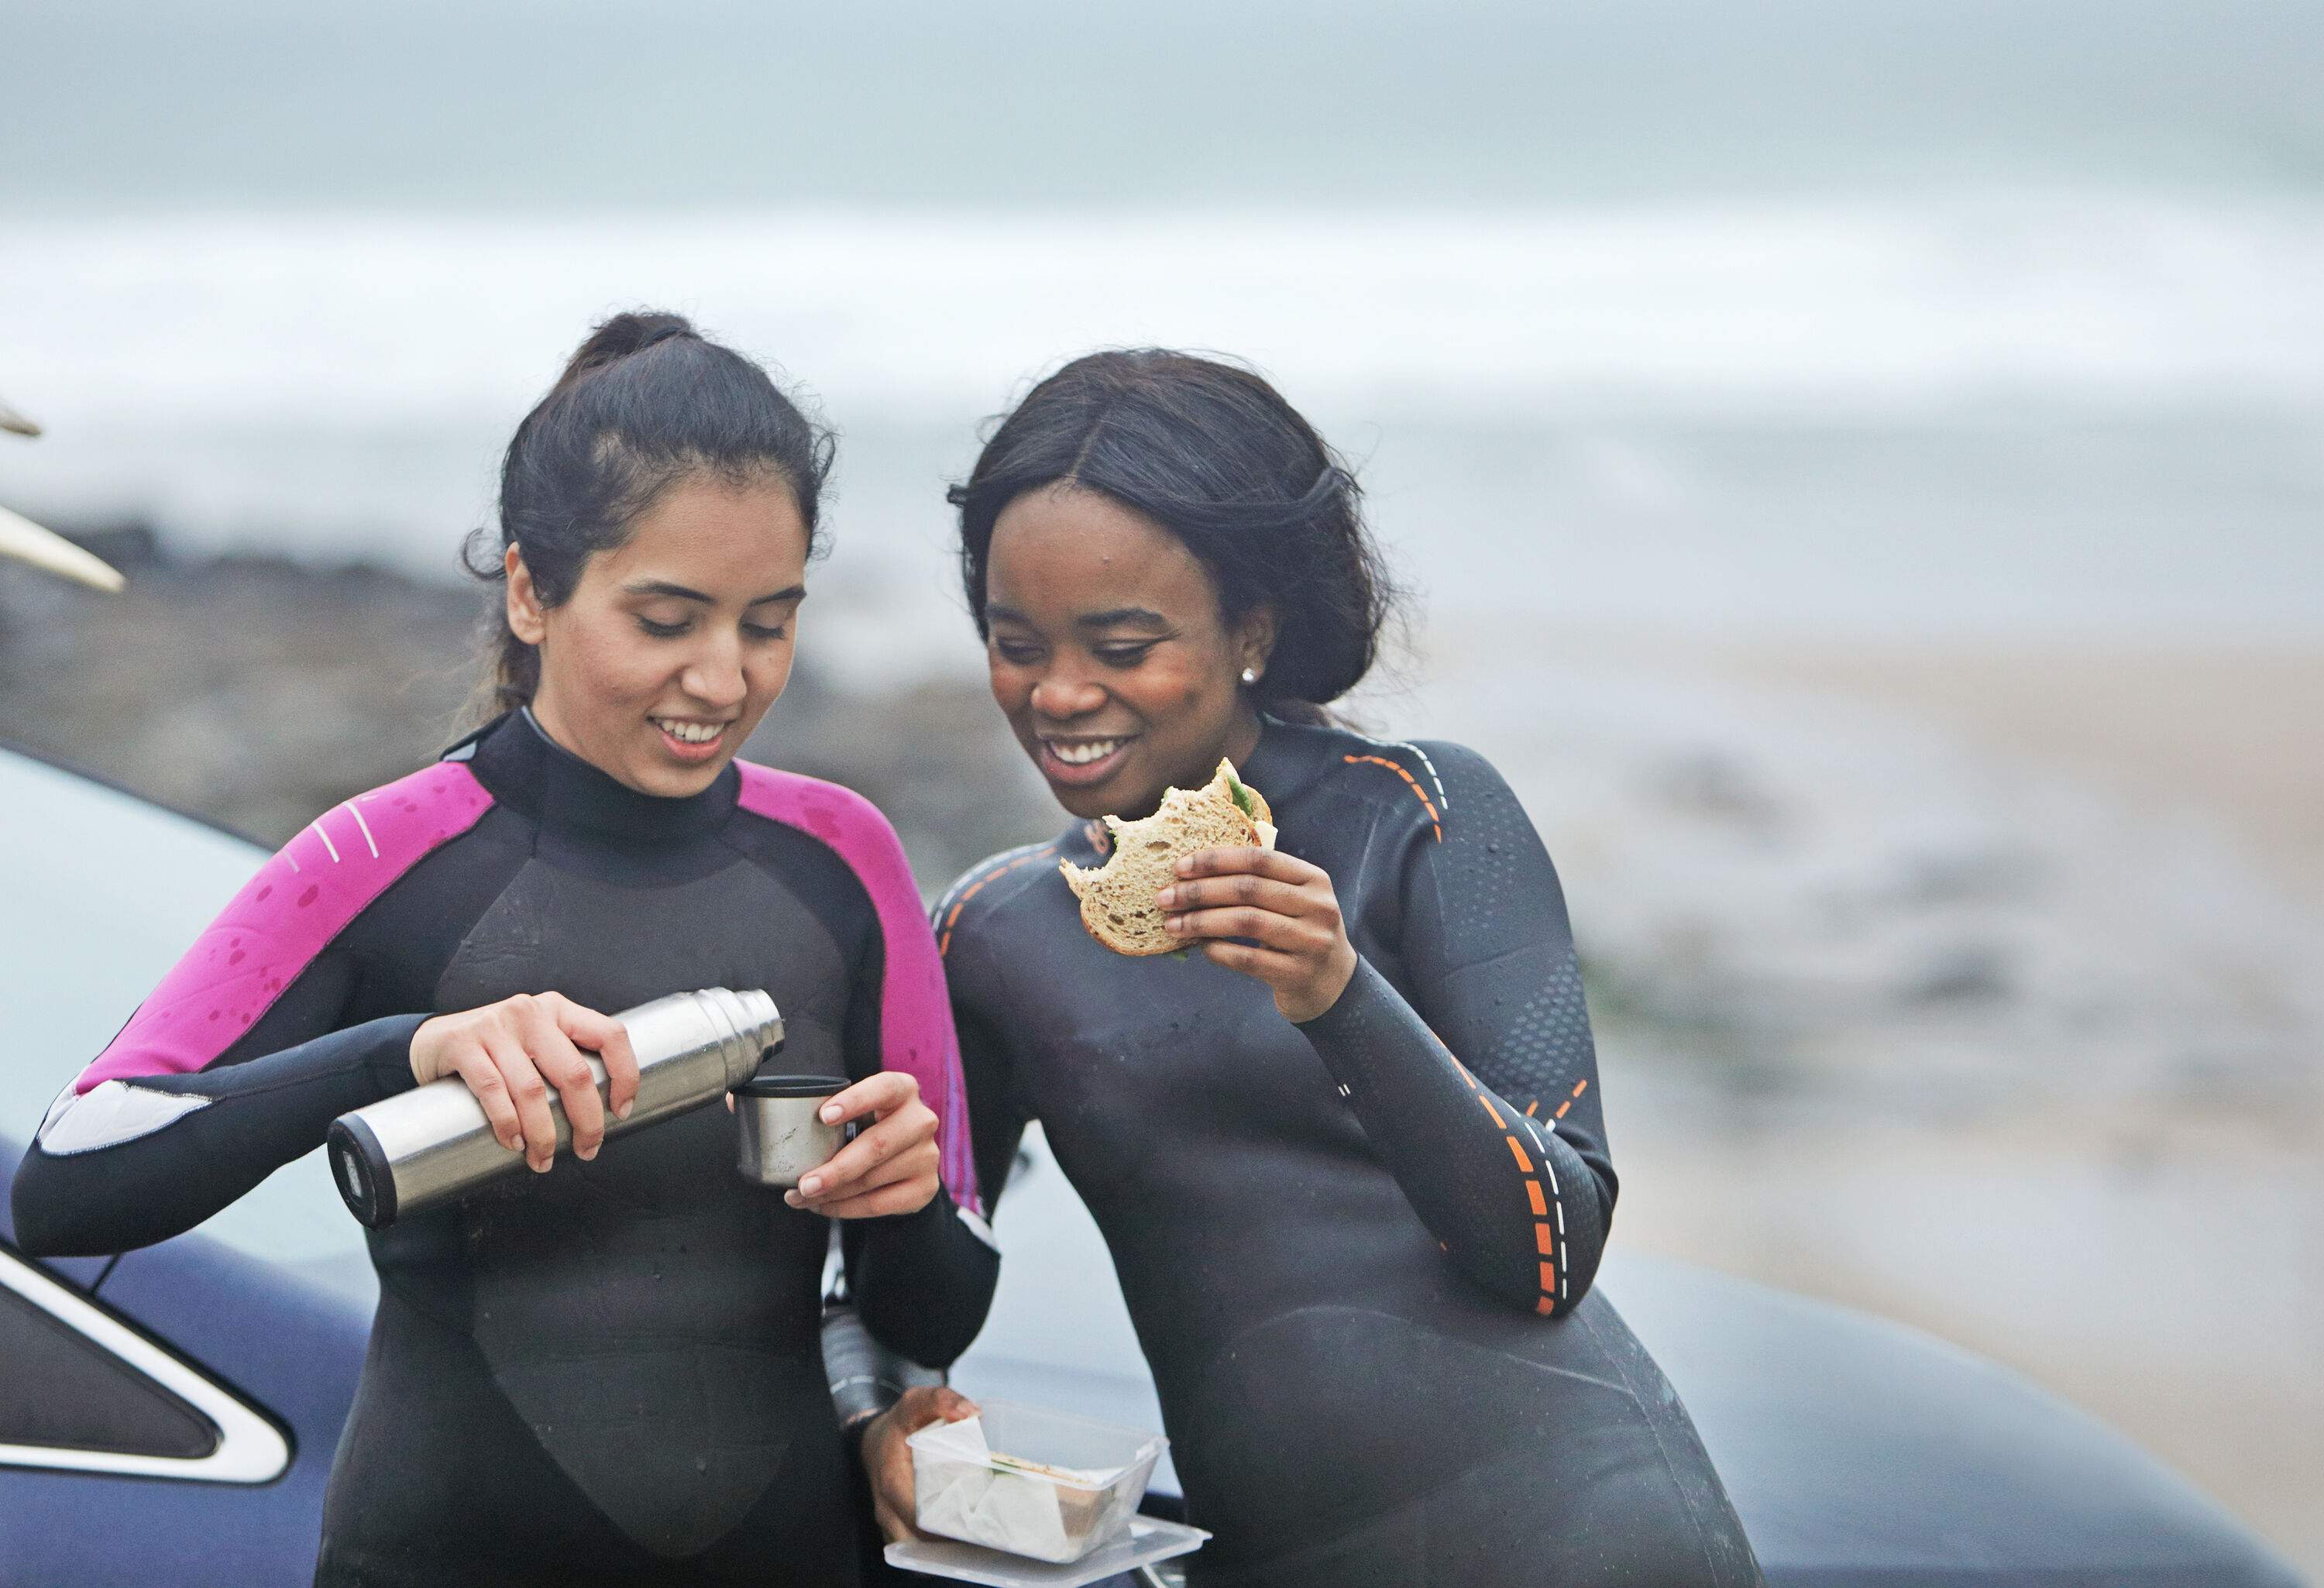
x=1579, y=1088
x=952, y=916
x=1426, y=804
x=1545, y=1231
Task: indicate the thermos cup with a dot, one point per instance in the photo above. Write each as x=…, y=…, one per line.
x=783, y=1132
x=421, y=1147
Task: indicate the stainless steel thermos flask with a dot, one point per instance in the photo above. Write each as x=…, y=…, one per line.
x=421, y=1146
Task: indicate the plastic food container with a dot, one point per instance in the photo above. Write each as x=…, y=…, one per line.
x=1031, y=1482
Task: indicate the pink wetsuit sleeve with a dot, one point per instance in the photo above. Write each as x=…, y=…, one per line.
x=177, y=1117
x=283, y=918
x=915, y=1009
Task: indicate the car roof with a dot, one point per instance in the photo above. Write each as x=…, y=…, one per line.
x=1857, y=1450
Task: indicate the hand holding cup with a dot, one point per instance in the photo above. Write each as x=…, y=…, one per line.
x=890, y=1167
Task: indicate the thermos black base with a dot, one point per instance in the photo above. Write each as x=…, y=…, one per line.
x=359, y=1164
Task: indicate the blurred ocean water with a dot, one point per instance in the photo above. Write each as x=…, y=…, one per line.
x=1939, y=315
x=1948, y=413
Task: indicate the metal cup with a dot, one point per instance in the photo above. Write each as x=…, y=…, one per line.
x=784, y=1135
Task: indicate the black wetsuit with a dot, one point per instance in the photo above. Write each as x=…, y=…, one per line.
x=1361, y=1270
x=609, y=1373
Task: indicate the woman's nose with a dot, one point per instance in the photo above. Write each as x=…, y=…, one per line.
x=715, y=678
x=1062, y=696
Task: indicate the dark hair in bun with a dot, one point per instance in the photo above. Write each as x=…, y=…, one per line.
x=1213, y=453
x=645, y=402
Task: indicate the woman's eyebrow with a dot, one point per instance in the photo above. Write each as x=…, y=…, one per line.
x=664, y=587
x=1122, y=614
x=995, y=613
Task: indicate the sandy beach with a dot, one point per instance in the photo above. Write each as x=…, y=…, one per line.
x=2011, y=1031
x=2220, y=734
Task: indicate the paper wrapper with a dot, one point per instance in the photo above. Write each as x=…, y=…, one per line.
x=964, y=1490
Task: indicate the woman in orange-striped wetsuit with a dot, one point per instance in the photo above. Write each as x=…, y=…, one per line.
x=1349, y=1153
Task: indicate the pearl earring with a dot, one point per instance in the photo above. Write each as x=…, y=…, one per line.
x=1250, y=677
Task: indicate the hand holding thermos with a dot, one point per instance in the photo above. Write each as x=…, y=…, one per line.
x=511, y=1082
x=515, y=1054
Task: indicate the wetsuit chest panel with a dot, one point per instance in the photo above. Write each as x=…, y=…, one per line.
x=610, y=944
x=1231, y=1180
x=1178, y=1050
x=647, y=1313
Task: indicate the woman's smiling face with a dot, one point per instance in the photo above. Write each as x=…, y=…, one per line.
x=1109, y=654
x=674, y=643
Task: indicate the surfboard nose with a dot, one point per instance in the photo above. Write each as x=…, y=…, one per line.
x=27, y=542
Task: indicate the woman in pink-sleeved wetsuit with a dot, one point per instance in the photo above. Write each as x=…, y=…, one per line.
x=610, y=1370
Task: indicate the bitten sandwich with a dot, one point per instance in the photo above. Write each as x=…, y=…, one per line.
x=1117, y=898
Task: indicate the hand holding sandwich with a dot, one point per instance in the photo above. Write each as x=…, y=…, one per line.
x=1287, y=909
x=1206, y=858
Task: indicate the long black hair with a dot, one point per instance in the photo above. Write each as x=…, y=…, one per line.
x=646, y=402
x=1213, y=454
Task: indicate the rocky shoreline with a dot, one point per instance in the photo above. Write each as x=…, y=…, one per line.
x=256, y=691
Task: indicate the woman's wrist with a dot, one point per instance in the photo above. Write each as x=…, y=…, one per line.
x=1348, y=990
x=1340, y=973
x=857, y=1429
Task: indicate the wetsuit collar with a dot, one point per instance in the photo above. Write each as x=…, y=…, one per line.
x=1285, y=761
x=524, y=768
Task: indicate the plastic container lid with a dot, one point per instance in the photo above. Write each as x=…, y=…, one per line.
x=791, y=1087
x=1147, y=1539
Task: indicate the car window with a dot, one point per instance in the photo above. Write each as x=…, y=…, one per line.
x=62, y=1391
x=100, y=892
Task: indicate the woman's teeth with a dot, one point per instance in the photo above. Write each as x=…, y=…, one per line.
x=1083, y=754
x=690, y=733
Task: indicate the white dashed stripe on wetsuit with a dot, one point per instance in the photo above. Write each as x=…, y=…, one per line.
x=364, y=828
x=1556, y=1199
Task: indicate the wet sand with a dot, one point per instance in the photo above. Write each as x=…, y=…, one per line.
x=2232, y=736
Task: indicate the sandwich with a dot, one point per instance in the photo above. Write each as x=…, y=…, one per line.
x=1117, y=897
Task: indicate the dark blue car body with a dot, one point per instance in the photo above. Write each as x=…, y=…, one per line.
x=288, y=1347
